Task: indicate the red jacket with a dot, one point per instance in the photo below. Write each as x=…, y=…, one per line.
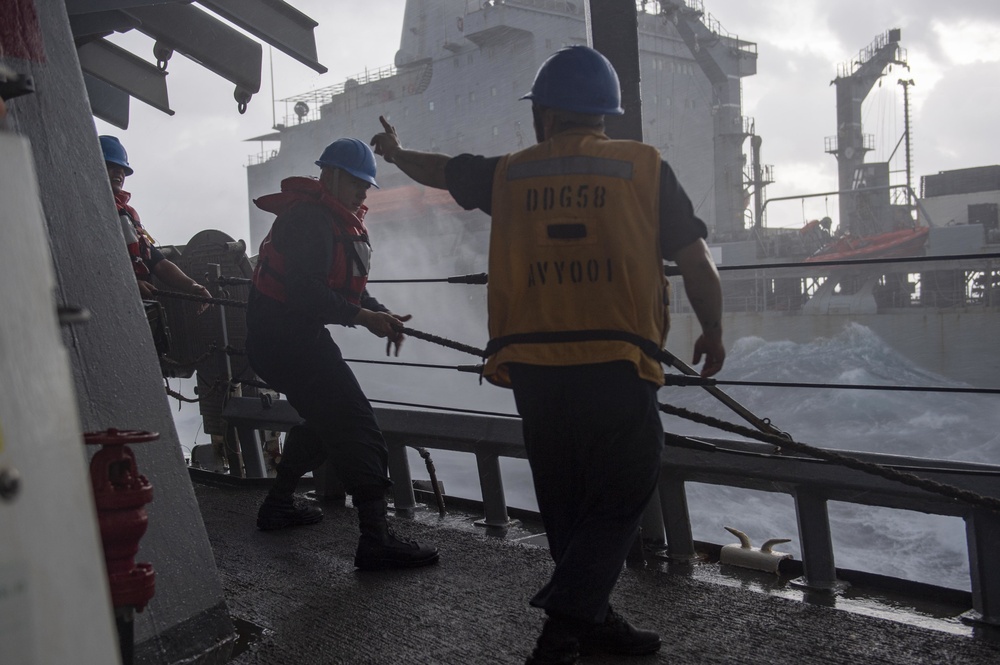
x=348, y=273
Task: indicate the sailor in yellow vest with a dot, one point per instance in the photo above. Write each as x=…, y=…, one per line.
x=581, y=226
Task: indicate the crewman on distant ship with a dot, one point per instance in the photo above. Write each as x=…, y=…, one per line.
x=147, y=260
x=577, y=296
x=312, y=271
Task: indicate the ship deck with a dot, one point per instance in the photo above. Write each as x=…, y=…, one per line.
x=297, y=598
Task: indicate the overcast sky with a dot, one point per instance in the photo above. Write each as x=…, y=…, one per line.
x=190, y=171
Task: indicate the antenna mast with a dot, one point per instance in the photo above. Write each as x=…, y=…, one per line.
x=906, y=83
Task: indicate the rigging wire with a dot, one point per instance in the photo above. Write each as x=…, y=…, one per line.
x=674, y=380
x=772, y=434
x=670, y=271
x=887, y=472
x=446, y=408
x=483, y=278
x=472, y=369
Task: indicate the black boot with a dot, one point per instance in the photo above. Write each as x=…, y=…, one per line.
x=278, y=512
x=617, y=636
x=559, y=643
x=379, y=548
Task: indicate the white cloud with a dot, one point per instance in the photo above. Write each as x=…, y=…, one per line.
x=966, y=41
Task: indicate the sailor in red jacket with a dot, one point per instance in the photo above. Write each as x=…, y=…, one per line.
x=147, y=260
x=312, y=271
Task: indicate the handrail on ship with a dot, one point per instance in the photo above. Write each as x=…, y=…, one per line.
x=750, y=465
x=811, y=483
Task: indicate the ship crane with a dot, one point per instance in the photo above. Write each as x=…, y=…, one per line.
x=859, y=215
x=724, y=59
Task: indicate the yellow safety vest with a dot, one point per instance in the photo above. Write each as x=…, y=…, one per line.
x=576, y=274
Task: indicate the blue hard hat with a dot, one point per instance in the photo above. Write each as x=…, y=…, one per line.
x=353, y=156
x=114, y=153
x=578, y=79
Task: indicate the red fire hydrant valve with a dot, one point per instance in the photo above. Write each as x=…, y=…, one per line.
x=121, y=494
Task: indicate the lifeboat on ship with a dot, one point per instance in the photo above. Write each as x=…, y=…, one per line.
x=904, y=242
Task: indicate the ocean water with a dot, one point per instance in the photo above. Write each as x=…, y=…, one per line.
x=907, y=544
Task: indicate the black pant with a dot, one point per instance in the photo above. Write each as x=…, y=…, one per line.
x=339, y=420
x=593, y=437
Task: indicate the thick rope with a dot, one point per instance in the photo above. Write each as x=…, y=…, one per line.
x=472, y=369
x=672, y=271
x=476, y=278
x=193, y=298
x=457, y=346
x=674, y=380
x=666, y=357
x=782, y=440
x=432, y=472
x=889, y=473
x=181, y=398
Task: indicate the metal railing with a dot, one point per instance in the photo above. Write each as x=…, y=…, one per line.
x=810, y=482
x=322, y=96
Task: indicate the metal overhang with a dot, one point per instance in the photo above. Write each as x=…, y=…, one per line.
x=178, y=26
x=99, y=24
x=91, y=6
x=276, y=22
x=205, y=39
x=119, y=68
x=107, y=102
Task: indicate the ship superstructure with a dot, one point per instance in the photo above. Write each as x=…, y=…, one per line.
x=455, y=87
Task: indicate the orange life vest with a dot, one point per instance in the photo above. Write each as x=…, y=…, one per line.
x=348, y=274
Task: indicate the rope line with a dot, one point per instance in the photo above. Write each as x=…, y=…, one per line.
x=664, y=356
x=473, y=369
x=850, y=462
x=674, y=380
x=783, y=440
x=181, y=398
x=475, y=278
x=228, y=302
x=671, y=271
x=457, y=346
x=446, y=408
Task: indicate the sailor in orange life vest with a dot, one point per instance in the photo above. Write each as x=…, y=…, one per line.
x=581, y=226
x=311, y=272
x=147, y=260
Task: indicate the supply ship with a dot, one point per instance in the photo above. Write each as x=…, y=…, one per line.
x=78, y=357
x=454, y=87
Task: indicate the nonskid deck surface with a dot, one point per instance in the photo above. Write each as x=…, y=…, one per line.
x=301, y=587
